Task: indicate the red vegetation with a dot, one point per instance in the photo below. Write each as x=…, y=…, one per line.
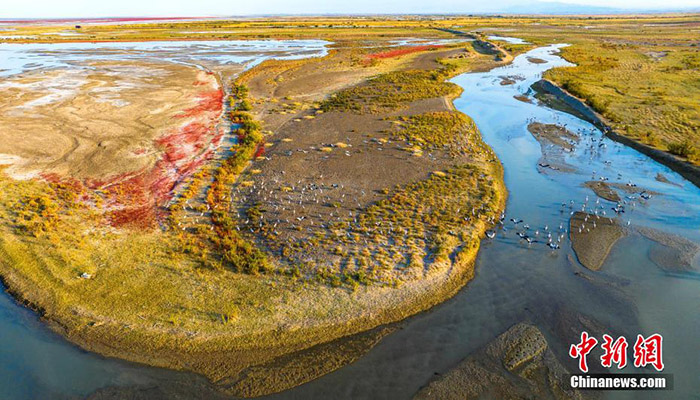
x=137, y=200
x=142, y=217
x=193, y=136
x=208, y=101
x=260, y=151
x=54, y=178
x=402, y=51
x=99, y=20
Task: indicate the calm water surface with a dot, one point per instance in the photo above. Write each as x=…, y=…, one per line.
x=17, y=58
x=514, y=282
x=34, y=362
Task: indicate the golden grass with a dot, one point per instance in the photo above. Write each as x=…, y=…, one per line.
x=178, y=298
x=648, y=93
x=435, y=130
x=390, y=91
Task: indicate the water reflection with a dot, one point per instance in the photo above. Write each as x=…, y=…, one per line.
x=17, y=58
x=516, y=282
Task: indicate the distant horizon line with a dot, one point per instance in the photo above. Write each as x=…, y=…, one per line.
x=609, y=11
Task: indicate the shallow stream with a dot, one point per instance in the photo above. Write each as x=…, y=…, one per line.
x=514, y=281
x=517, y=282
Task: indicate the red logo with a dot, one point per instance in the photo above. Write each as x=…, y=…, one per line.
x=615, y=352
x=647, y=351
x=582, y=349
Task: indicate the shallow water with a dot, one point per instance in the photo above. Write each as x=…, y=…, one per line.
x=17, y=58
x=511, y=40
x=514, y=282
x=35, y=362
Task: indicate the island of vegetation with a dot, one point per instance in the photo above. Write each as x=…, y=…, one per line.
x=245, y=224
x=259, y=216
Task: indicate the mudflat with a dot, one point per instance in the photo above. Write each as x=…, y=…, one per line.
x=348, y=194
x=517, y=364
x=593, y=237
x=102, y=120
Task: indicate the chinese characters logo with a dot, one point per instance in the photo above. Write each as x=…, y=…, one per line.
x=647, y=351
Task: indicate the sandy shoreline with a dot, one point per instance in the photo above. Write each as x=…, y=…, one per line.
x=519, y=363
x=593, y=238
x=353, y=197
x=684, y=168
x=222, y=355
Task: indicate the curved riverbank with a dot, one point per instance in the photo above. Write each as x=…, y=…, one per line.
x=232, y=327
x=546, y=288
x=222, y=359
x=688, y=170
x=514, y=281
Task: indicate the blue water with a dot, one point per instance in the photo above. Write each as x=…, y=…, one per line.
x=511, y=40
x=514, y=282
x=517, y=282
x=17, y=58
x=36, y=363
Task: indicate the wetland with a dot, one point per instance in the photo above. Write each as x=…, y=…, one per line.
x=288, y=218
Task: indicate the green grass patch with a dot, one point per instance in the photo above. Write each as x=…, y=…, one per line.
x=402, y=236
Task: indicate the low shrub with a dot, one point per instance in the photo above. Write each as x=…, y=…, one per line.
x=684, y=148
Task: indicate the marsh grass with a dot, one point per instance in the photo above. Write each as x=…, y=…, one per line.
x=435, y=130
x=205, y=287
x=230, y=249
x=148, y=290
x=655, y=100
x=391, y=91
x=684, y=149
